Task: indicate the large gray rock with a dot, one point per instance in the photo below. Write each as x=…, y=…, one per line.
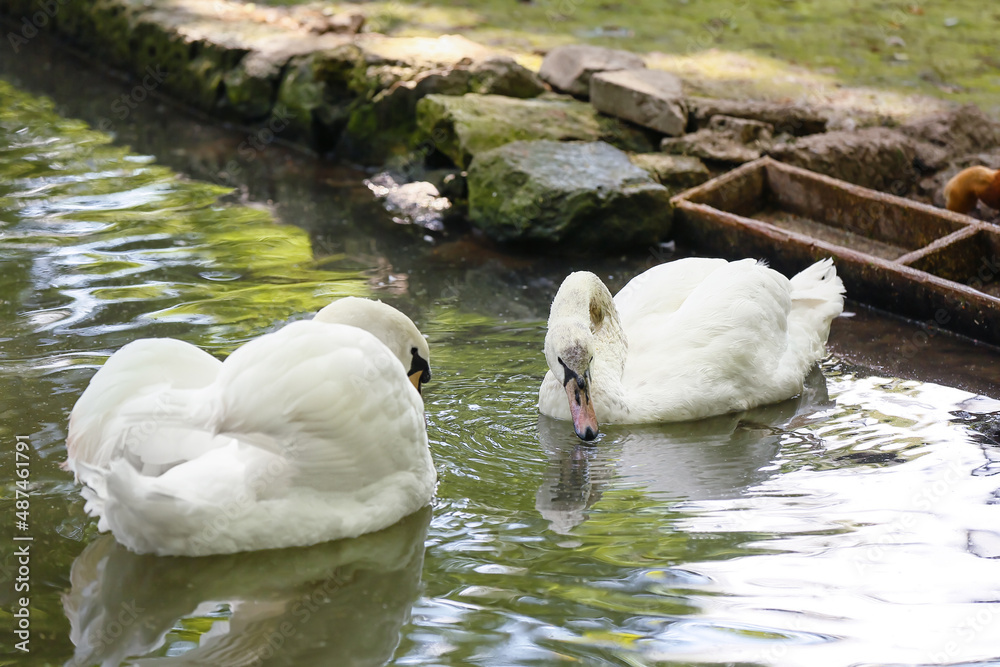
x=569, y=68
x=726, y=139
x=648, y=97
x=873, y=157
x=583, y=197
x=786, y=118
x=462, y=127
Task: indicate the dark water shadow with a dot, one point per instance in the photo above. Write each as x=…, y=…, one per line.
x=338, y=603
x=719, y=457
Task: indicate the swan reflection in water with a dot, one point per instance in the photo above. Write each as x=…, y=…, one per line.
x=712, y=458
x=337, y=603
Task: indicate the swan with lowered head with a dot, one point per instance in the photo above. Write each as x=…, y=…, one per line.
x=312, y=433
x=688, y=339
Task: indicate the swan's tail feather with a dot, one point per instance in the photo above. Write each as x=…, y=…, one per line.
x=817, y=298
x=817, y=281
x=94, y=491
x=190, y=508
x=142, y=514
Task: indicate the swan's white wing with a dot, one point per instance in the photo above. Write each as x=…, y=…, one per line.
x=138, y=371
x=329, y=398
x=663, y=288
x=719, y=350
x=735, y=313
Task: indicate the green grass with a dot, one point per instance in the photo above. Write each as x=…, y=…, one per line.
x=942, y=49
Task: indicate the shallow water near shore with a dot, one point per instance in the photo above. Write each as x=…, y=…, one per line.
x=856, y=524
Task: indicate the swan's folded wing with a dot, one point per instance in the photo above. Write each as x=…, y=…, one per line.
x=329, y=398
x=662, y=289
x=137, y=371
x=722, y=344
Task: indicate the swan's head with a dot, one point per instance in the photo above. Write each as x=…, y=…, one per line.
x=393, y=328
x=580, y=310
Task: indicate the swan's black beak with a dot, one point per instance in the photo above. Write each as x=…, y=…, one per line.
x=420, y=370
x=581, y=407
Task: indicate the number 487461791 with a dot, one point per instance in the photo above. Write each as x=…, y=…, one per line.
x=22, y=462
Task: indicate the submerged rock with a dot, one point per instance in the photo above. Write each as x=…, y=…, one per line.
x=647, y=97
x=462, y=127
x=584, y=197
x=569, y=68
x=418, y=203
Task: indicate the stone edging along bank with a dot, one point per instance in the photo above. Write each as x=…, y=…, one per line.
x=321, y=80
x=337, y=89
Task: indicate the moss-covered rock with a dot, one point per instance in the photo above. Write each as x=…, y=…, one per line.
x=251, y=87
x=580, y=197
x=502, y=75
x=383, y=123
x=317, y=93
x=471, y=124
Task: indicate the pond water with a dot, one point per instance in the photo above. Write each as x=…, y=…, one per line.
x=857, y=524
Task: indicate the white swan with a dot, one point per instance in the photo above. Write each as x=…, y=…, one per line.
x=685, y=340
x=308, y=434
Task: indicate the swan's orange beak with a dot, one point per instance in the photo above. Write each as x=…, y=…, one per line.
x=582, y=409
x=415, y=379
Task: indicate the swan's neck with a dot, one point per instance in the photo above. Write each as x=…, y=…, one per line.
x=584, y=315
